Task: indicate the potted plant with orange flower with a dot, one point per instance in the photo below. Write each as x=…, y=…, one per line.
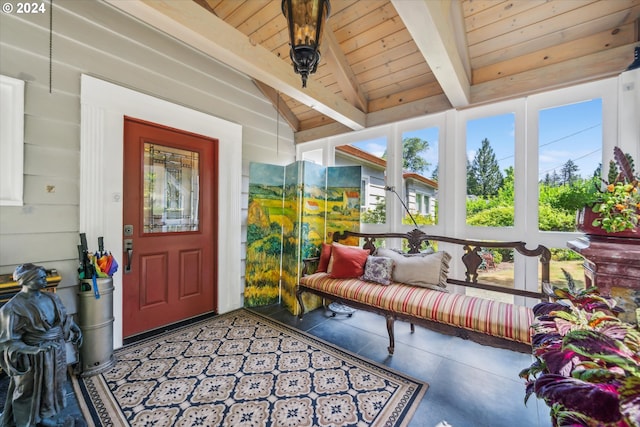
x=615, y=210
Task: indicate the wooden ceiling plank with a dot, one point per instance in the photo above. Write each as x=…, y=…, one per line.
x=393, y=87
x=306, y=115
x=431, y=105
x=279, y=105
x=210, y=5
x=317, y=120
x=432, y=25
x=556, y=54
x=472, y=7
x=266, y=25
x=413, y=62
x=597, y=17
x=343, y=13
x=586, y=68
x=247, y=12
x=187, y=21
x=373, y=35
x=373, y=50
x=605, y=23
x=279, y=45
x=498, y=11
x=538, y=16
x=392, y=53
x=403, y=97
x=342, y=72
x=225, y=8
x=367, y=22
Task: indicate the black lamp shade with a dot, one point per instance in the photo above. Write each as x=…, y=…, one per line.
x=636, y=59
x=305, y=19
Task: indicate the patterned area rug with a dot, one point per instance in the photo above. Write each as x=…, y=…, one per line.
x=243, y=369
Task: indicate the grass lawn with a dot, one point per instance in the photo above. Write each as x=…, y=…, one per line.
x=502, y=275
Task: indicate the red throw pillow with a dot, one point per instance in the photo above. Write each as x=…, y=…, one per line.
x=325, y=254
x=348, y=261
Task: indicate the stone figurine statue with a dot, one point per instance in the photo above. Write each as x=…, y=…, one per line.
x=34, y=327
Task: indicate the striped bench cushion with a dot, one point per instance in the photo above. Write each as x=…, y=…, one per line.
x=477, y=314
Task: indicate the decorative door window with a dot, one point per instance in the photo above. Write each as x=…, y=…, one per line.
x=171, y=189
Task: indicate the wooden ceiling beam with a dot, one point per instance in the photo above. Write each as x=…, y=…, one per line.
x=279, y=104
x=430, y=105
x=342, y=71
x=437, y=28
x=587, y=68
x=190, y=23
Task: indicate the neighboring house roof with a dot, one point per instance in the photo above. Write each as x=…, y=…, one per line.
x=354, y=152
x=420, y=178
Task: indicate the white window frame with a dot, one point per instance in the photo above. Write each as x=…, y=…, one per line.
x=11, y=141
x=517, y=108
x=603, y=89
x=619, y=96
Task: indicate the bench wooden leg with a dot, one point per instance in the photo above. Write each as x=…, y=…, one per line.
x=413, y=328
x=390, y=321
x=299, y=297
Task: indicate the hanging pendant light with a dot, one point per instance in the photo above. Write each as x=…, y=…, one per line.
x=636, y=62
x=305, y=19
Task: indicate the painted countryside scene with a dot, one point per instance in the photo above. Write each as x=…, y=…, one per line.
x=292, y=210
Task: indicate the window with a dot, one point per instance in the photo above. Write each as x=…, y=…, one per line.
x=11, y=141
x=171, y=189
x=420, y=174
x=525, y=138
x=490, y=171
x=371, y=154
x=569, y=161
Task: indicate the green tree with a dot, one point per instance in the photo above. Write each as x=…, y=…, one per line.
x=569, y=172
x=506, y=193
x=498, y=216
x=472, y=182
x=411, y=158
x=486, y=178
x=377, y=215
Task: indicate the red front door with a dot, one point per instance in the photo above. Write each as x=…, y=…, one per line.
x=170, y=200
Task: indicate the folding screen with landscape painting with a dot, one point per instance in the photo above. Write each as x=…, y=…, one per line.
x=289, y=219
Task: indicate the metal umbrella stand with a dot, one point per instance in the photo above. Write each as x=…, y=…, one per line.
x=95, y=308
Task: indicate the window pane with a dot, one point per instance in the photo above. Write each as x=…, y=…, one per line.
x=171, y=190
x=567, y=260
x=371, y=155
x=569, y=161
x=314, y=156
x=490, y=176
x=420, y=175
x=497, y=269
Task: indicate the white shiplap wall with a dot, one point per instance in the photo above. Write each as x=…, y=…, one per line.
x=94, y=38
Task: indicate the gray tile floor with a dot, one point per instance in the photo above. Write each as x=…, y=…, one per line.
x=470, y=385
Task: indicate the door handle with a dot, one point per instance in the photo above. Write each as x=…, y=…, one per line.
x=128, y=247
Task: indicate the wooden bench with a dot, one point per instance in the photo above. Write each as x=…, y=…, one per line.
x=488, y=322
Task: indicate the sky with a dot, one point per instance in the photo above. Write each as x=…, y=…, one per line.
x=572, y=131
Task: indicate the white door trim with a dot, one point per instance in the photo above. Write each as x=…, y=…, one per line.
x=104, y=106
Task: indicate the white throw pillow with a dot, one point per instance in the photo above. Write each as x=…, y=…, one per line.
x=429, y=271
